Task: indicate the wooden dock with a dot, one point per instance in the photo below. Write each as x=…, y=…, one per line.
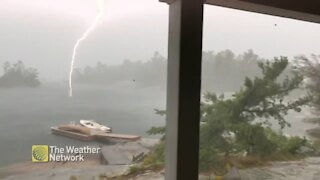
x=87, y=134
x=70, y=134
x=117, y=136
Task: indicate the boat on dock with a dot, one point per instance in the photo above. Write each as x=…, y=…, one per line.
x=92, y=124
x=88, y=134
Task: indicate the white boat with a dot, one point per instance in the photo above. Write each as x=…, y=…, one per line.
x=94, y=125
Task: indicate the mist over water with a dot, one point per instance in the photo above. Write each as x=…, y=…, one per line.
x=27, y=114
x=123, y=97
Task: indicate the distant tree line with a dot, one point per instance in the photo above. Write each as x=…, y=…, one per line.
x=222, y=71
x=149, y=73
x=225, y=71
x=17, y=75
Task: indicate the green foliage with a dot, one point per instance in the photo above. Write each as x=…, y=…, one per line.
x=157, y=156
x=156, y=130
x=286, y=144
x=17, y=75
x=154, y=161
x=209, y=159
x=310, y=68
x=293, y=145
x=73, y=178
x=134, y=169
x=160, y=112
x=238, y=124
x=253, y=140
x=241, y=124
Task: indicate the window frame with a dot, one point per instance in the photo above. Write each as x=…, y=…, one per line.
x=184, y=72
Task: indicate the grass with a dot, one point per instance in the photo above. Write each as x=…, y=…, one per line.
x=220, y=167
x=139, y=169
x=73, y=178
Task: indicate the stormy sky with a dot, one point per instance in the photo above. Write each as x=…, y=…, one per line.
x=42, y=33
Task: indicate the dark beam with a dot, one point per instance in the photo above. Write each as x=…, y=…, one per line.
x=167, y=1
x=306, y=10
x=183, y=89
x=304, y=6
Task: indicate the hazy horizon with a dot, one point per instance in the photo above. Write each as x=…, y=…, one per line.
x=42, y=33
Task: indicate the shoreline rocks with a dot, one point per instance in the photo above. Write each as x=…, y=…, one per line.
x=116, y=159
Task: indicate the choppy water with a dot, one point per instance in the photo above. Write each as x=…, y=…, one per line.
x=26, y=115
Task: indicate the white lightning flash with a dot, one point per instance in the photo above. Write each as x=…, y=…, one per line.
x=83, y=37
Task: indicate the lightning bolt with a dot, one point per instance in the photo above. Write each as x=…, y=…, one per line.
x=83, y=37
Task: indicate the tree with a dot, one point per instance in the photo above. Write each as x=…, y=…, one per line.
x=241, y=124
x=6, y=66
x=250, y=110
x=17, y=74
x=223, y=71
x=310, y=68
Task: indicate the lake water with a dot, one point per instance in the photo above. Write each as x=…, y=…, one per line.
x=26, y=115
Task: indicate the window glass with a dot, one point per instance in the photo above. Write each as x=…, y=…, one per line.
x=259, y=96
x=100, y=127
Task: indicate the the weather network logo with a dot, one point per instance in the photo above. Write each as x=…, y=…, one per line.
x=40, y=153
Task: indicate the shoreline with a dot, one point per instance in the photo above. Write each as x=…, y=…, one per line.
x=307, y=168
x=113, y=160
x=29, y=167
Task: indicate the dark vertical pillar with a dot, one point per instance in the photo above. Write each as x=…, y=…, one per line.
x=183, y=89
